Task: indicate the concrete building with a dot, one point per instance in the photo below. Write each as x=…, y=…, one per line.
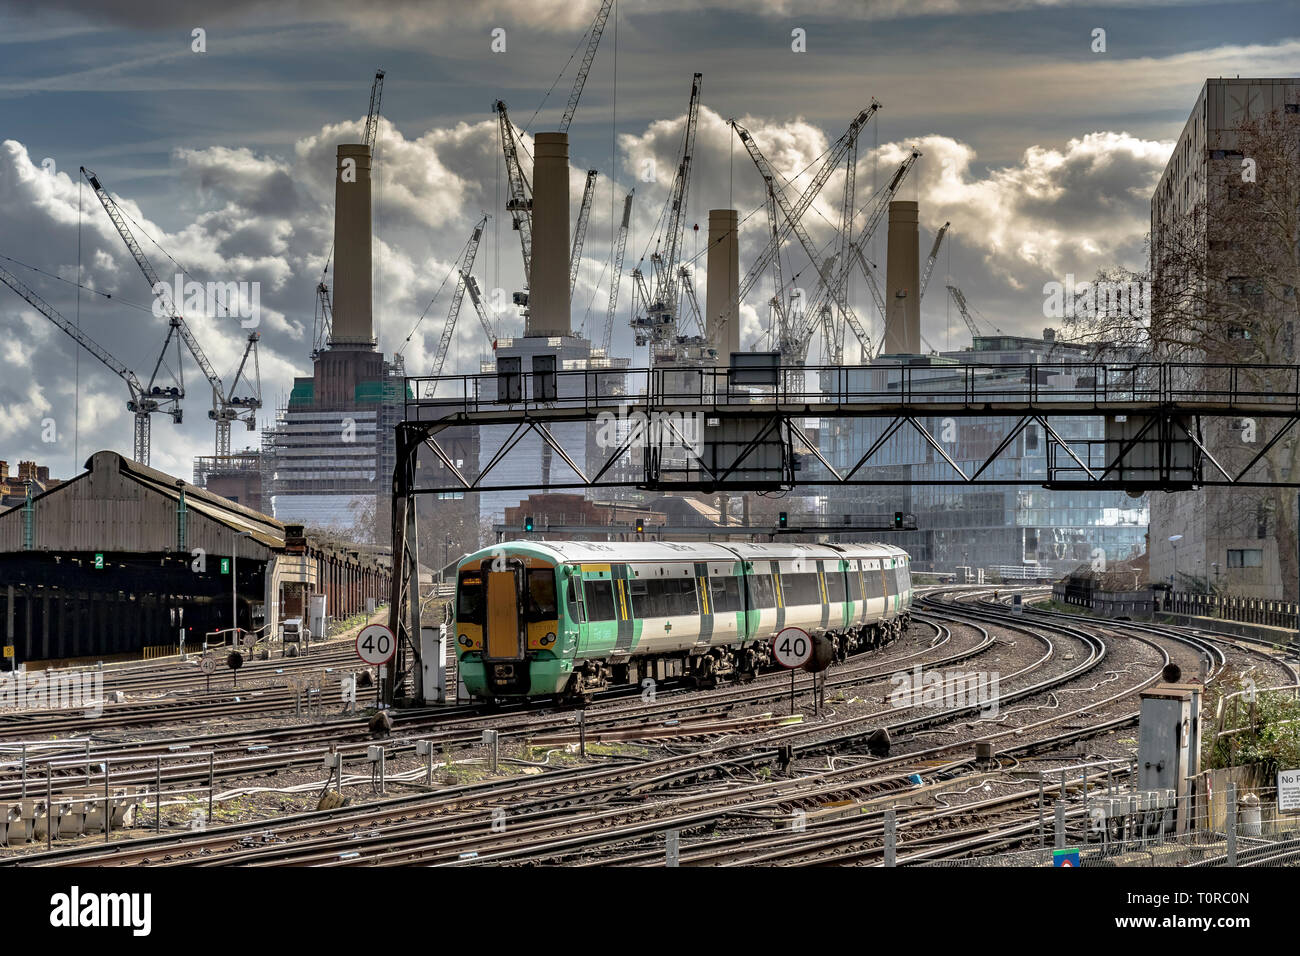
x=14, y=487
x=1225, y=538
x=95, y=567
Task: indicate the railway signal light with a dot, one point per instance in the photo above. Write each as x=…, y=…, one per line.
x=640, y=526
x=898, y=520
x=528, y=523
x=783, y=520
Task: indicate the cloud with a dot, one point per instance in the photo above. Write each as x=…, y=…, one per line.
x=543, y=14
x=248, y=215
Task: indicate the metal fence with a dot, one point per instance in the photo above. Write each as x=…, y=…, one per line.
x=1113, y=827
x=1244, y=609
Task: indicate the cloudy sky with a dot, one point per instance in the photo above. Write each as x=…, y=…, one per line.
x=1040, y=151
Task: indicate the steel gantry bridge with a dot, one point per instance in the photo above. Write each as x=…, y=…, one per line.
x=1135, y=427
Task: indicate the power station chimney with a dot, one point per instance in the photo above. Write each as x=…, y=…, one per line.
x=903, y=281
x=353, y=322
x=548, y=280
x=722, y=297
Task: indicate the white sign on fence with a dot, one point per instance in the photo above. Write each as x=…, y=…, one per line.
x=1288, y=791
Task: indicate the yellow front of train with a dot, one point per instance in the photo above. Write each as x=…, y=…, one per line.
x=514, y=635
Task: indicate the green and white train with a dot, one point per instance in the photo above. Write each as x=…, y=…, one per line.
x=562, y=619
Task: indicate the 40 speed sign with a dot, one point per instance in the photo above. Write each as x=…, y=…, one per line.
x=792, y=647
x=375, y=644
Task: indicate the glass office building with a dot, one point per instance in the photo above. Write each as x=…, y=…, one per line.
x=1013, y=530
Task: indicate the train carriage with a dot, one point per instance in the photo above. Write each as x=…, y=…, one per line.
x=565, y=618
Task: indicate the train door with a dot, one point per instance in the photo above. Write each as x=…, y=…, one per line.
x=505, y=631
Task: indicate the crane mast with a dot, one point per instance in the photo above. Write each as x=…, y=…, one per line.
x=855, y=246
x=597, y=28
x=964, y=307
x=793, y=213
x=833, y=157
x=580, y=231
x=520, y=201
x=372, y=115
x=933, y=257
x=324, y=318
x=463, y=278
x=620, y=246
x=144, y=401
x=663, y=311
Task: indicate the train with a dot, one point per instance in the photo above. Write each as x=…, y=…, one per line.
x=564, y=619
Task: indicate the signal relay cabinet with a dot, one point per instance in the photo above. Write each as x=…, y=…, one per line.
x=433, y=662
x=1169, y=743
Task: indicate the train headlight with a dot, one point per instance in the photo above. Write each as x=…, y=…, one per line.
x=548, y=640
x=464, y=640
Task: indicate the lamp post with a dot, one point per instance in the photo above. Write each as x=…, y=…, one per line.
x=234, y=578
x=1173, y=578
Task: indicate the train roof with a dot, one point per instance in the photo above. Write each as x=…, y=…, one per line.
x=661, y=551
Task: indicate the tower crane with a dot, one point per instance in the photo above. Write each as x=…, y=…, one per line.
x=834, y=155
x=616, y=277
x=324, y=319
x=597, y=28
x=520, y=201
x=227, y=407
x=145, y=400
x=463, y=279
x=662, y=312
x=794, y=213
x=934, y=256
x=372, y=115
x=965, y=309
x=580, y=231
x=818, y=315
x=476, y=299
x=873, y=222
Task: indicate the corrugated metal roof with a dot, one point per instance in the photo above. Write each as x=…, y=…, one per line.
x=263, y=528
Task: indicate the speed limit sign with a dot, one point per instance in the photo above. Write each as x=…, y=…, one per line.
x=375, y=644
x=208, y=665
x=792, y=647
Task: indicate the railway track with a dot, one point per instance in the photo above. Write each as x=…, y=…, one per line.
x=568, y=814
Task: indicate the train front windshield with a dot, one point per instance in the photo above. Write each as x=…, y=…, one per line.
x=469, y=597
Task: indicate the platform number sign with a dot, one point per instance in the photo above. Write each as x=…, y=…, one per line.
x=792, y=647
x=225, y=565
x=375, y=644
x=99, y=561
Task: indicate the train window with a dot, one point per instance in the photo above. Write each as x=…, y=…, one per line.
x=469, y=597
x=574, y=600
x=541, y=595
x=875, y=584
x=664, y=597
x=724, y=595
x=800, y=589
x=762, y=593
x=855, y=584
x=600, y=601
x=835, y=586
